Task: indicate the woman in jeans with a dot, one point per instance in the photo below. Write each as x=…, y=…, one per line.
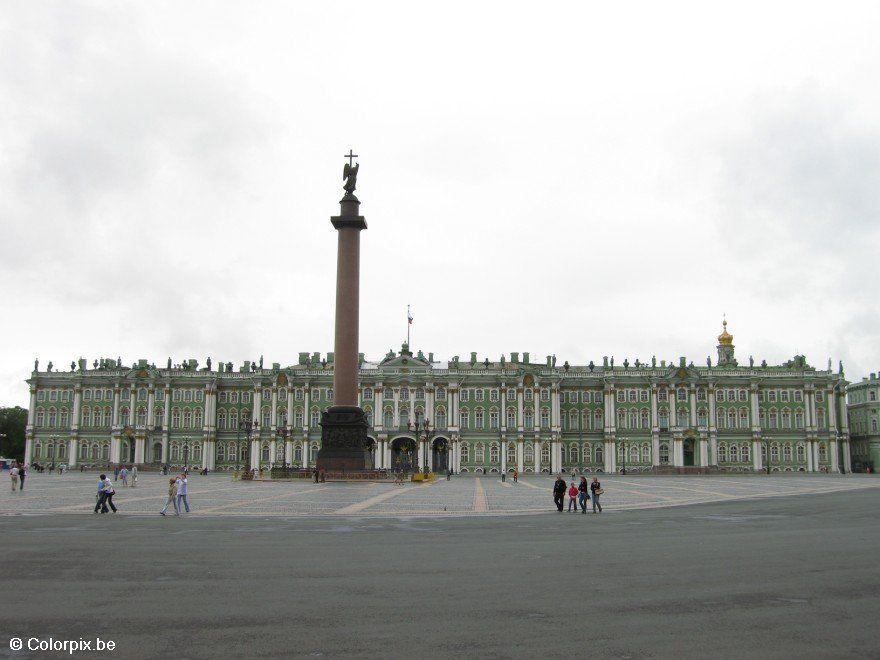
x=595, y=487
x=172, y=498
x=583, y=493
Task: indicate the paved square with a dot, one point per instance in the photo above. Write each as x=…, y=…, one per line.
x=218, y=495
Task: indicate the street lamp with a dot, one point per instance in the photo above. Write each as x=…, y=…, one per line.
x=282, y=433
x=424, y=434
x=623, y=463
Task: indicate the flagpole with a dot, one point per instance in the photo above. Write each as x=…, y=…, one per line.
x=407, y=325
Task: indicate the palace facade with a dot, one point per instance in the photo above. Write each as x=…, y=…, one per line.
x=864, y=417
x=484, y=416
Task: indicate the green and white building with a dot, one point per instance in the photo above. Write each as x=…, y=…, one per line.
x=864, y=418
x=485, y=416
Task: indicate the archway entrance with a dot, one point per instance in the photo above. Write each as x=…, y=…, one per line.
x=688, y=447
x=440, y=450
x=403, y=454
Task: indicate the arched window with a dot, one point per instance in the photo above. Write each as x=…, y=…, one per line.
x=786, y=419
x=586, y=453
x=774, y=452
x=597, y=418
x=440, y=418
x=83, y=452
x=663, y=417
x=774, y=419
x=746, y=453
x=479, y=453
x=721, y=418
x=545, y=454
x=511, y=454
x=175, y=418
x=221, y=419
x=95, y=452
x=702, y=417
x=282, y=417
x=465, y=451
x=528, y=419
x=141, y=416
x=298, y=416
x=85, y=416
x=197, y=452
x=316, y=418
x=175, y=452
x=545, y=418
x=786, y=452
x=646, y=453
x=621, y=419
x=799, y=419
x=187, y=418
x=511, y=418
x=264, y=453
x=734, y=453
x=388, y=420
x=105, y=452
x=820, y=417
x=632, y=419
x=801, y=453
x=731, y=418
x=123, y=416
x=197, y=418
x=368, y=413
x=494, y=453
x=267, y=417
x=646, y=419
x=463, y=418
x=664, y=453
x=297, y=453
x=221, y=452
x=528, y=453
x=743, y=418
x=96, y=417
x=493, y=419
x=823, y=452
x=634, y=454
x=600, y=453
x=65, y=418
x=573, y=453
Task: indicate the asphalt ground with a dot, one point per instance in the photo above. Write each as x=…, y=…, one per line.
x=781, y=577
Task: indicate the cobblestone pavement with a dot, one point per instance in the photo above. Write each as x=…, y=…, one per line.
x=218, y=495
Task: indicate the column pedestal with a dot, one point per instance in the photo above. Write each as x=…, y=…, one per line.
x=343, y=440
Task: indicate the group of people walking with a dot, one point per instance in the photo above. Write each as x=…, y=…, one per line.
x=577, y=495
x=17, y=474
x=177, y=495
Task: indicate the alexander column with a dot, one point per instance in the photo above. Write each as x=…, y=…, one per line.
x=344, y=425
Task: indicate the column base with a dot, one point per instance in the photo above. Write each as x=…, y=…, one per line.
x=344, y=441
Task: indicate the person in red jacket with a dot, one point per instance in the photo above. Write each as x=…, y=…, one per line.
x=573, y=497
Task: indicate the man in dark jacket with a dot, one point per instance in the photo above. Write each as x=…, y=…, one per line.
x=559, y=493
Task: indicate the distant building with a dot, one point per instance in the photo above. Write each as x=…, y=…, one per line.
x=864, y=418
x=485, y=416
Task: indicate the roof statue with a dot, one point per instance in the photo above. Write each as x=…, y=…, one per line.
x=349, y=173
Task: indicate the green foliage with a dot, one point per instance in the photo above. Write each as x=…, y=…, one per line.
x=12, y=423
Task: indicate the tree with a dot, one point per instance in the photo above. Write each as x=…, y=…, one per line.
x=12, y=424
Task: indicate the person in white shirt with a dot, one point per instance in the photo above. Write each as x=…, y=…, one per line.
x=182, y=493
x=13, y=473
x=105, y=498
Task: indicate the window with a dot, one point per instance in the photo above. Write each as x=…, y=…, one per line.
x=465, y=396
x=743, y=418
x=528, y=419
x=369, y=415
x=440, y=418
x=799, y=419
x=511, y=454
x=200, y=395
x=662, y=395
x=53, y=395
x=329, y=394
x=621, y=396
x=722, y=452
x=820, y=417
x=315, y=418
x=298, y=394
x=441, y=393
x=633, y=397
x=786, y=452
x=663, y=418
x=646, y=420
x=368, y=394
x=188, y=396
x=267, y=394
x=465, y=452
x=511, y=395
x=746, y=454
x=743, y=396
x=528, y=453
x=682, y=394
x=316, y=394
x=600, y=454
x=823, y=452
x=529, y=394
x=798, y=396
x=493, y=419
x=545, y=418
x=545, y=454
x=494, y=453
x=479, y=395
x=872, y=395
x=87, y=395
x=478, y=418
x=463, y=418
x=820, y=396
x=664, y=454
x=783, y=396
x=545, y=394
x=175, y=418
x=479, y=453
x=187, y=418
x=774, y=419
x=771, y=396
x=734, y=453
x=786, y=419
x=388, y=418
x=266, y=418
x=702, y=417
x=493, y=395
x=643, y=396
x=701, y=394
x=142, y=417
x=511, y=417
x=65, y=418
x=404, y=394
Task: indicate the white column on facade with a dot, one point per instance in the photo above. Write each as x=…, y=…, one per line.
x=678, y=451
x=673, y=410
x=832, y=411
x=288, y=451
x=379, y=408
x=32, y=410
x=757, y=462
x=386, y=460
x=537, y=457
x=835, y=456
x=704, y=452
x=139, y=450
x=844, y=418
x=255, y=453
x=396, y=408
x=290, y=419
x=711, y=394
x=519, y=410
x=307, y=414
x=72, y=452
x=132, y=403
x=255, y=412
x=306, y=459
x=274, y=413
x=692, y=395
x=429, y=405
x=151, y=404
x=272, y=452
x=753, y=407
x=554, y=407
x=206, y=453
x=536, y=402
x=813, y=415
x=520, y=455
x=816, y=462
x=847, y=456
x=117, y=393
x=808, y=417
x=77, y=408
x=808, y=447
x=609, y=457
x=28, y=449
x=655, y=419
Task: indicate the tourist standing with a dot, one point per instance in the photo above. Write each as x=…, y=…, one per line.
x=515, y=475
x=315, y=474
x=583, y=492
x=123, y=474
x=559, y=493
x=116, y=472
x=595, y=492
x=572, y=498
x=172, y=498
x=13, y=474
x=182, y=492
x=22, y=473
x=134, y=476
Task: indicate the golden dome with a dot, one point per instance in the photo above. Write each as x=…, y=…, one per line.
x=725, y=338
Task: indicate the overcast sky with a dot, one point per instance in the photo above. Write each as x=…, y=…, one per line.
x=545, y=177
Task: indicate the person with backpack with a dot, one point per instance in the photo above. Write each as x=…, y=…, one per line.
x=172, y=498
x=559, y=493
x=583, y=493
x=595, y=492
x=13, y=474
x=105, y=495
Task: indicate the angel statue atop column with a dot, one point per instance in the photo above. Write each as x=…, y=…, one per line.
x=349, y=173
